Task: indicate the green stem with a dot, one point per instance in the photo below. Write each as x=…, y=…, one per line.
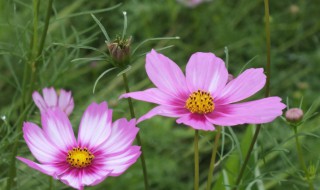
x=268, y=46
x=143, y=163
x=196, y=160
x=301, y=159
x=267, y=91
x=46, y=26
x=50, y=183
x=213, y=157
x=253, y=141
x=34, y=52
x=12, y=170
x=25, y=90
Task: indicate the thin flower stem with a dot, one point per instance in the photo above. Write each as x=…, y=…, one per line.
x=143, y=163
x=46, y=26
x=29, y=71
x=267, y=91
x=253, y=141
x=35, y=38
x=301, y=159
x=50, y=183
x=213, y=157
x=196, y=160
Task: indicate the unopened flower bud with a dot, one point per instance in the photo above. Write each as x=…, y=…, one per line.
x=294, y=115
x=120, y=50
x=230, y=77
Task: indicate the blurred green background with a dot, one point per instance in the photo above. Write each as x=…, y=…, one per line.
x=209, y=27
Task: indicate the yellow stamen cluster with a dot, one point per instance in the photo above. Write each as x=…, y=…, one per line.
x=200, y=102
x=79, y=157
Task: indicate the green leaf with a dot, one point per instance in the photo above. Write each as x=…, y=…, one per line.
x=124, y=71
x=96, y=82
x=101, y=28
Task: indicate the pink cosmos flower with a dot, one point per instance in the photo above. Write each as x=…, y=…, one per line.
x=203, y=97
x=103, y=148
x=51, y=99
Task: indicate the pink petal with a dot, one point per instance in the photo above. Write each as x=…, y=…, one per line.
x=95, y=126
x=196, y=121
x=93, y=175
x=122, y=135
x=164, y=111
x=65, y=101
x=156, y=96
x=50, y=97
x=53, y=170
x=244, y=86
x=121, y=162
x=70, y=107
x=254, y=112
x=38, y=100
x=166, y=75
x=58, y=129
x=78, y=178
x=42, y=149
x=206, y=72
x=72, y=178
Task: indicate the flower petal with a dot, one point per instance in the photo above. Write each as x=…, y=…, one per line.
x=70, y=107
x=119, y=163
x=93, y=175
x=122, y=135
x=66, y=101
x=166, y=75
x=78, y=178
x=156, y=96
x=166, y=111
x=206, y=72
x=254, y=112
x=42, y=149
x=196, y=121
x=95, y=126
x=38, y=100
x=58, y=129
x=53, y=170
x=72, y=178
x=50, y=97
x=244, y=86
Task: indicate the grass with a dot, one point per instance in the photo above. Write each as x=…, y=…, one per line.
x=210, y=27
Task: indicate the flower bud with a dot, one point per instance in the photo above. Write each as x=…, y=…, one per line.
x=294, y=115
x=119, y=50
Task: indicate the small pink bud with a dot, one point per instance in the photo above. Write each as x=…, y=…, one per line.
x=294, y=115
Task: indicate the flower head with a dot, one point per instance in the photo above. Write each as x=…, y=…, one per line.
x=103, y=148
x=203, y=98
x=119, y=50
x=52, y=99
x=294, y=115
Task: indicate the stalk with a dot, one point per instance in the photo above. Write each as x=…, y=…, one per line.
x=213, y=157
x=267, y=92
x=28, y=72
x=50, y=183
x=143, y=163
x=196, y=160
x=301, y=160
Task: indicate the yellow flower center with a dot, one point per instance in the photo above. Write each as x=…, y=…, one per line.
x=200, y=102
x=79, y=157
